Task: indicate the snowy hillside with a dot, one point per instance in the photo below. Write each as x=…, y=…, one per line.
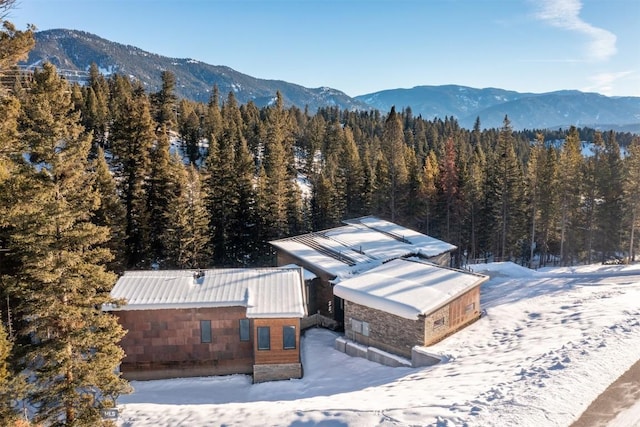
x=551, y=342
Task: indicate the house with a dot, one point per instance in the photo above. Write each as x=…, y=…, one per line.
x=361, y=244
x=211, y=322
x=408, y=302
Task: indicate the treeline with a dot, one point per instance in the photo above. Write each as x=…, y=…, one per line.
x=229, y=185
x=106, y=177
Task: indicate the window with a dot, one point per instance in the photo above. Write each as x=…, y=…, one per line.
x=244, y=329
x=469, y=308
x=365, y=329
x=356, y=326
x=438, y=323
x=360, y=327
x=205, y=331
x=264, y=338
x=289, y=337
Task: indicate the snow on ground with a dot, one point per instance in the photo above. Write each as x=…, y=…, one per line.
x=552, y=340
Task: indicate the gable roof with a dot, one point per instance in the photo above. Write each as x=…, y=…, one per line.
x=361, y=244
x=408, y=287
x=265, y=292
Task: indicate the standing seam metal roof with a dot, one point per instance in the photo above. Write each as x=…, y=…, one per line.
x=265, y=292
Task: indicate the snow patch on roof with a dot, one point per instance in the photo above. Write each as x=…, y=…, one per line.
x=266, y=292
x=360, y=245
x=407, y=288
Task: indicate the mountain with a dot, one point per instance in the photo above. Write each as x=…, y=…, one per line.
x=550, y=110
x=72, y=50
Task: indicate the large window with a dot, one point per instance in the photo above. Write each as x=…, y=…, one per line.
x=244, y=329
x=264, y=338
x=289, y=337
x=205, y=331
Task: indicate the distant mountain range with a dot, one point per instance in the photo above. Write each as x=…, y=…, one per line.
x=75, y=51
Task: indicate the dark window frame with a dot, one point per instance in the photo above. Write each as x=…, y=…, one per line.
x=438, y=323
x=286, y=337
x=206, y=335
x=261, y=337
x=245, y=330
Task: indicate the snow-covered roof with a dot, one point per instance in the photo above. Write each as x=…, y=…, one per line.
x=407, y=287
x=363, y=243
x=265, y=292
x=306, y=274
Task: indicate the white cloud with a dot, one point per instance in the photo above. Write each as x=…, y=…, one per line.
x=604, y=82
x=566, y=14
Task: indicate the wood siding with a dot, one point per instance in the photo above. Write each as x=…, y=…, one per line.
x=321, y=294
x=276, y=354
x=452, y=317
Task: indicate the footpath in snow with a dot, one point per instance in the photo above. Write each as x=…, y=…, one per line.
x=551, y=342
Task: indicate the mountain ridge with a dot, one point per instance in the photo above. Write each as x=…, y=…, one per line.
x=76, y=50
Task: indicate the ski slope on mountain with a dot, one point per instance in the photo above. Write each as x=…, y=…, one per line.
x=551, y=341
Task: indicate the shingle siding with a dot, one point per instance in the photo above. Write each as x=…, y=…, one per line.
x=166, y=343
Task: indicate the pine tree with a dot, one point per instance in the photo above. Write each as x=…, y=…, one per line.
x=95, y=111
x=631, y=191
x=212, y=121
x=163, y=102
x=161, y=191
x=14, y=44
x=189, y=129
x=186, y=243
x=351, y=170
x=609, y=212
x=569, y=180
x=549, y=204
x=449, y=186
x=7, y=393
x=431, y=174
x=534, y=175
x=394, y=150
x=591, y=172
x=131, y=138
x=507, y=194
x=473, y=189
x=72, y=354
x=111, y=212
x=277, y=160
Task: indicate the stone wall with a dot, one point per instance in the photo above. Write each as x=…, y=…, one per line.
x=284, y=371
x=386, y=331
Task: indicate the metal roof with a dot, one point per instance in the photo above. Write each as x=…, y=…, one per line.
x=408, y=287
x=265, y=292
x=359, y=245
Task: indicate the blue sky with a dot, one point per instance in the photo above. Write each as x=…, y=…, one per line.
x=360, y=46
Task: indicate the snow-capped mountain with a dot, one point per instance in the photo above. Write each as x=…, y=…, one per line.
x=76, y=50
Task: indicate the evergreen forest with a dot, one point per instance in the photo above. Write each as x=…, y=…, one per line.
x=106, y=177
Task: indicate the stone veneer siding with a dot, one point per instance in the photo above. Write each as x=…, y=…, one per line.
x=387, y=331
x=283, y=371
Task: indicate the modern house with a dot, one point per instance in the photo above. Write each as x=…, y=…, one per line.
x=347, y=251
x=211, y=322
x=408, y=302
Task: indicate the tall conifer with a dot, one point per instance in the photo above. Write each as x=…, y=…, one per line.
x=570, y=188
x=72, y=350
x=131, y=139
